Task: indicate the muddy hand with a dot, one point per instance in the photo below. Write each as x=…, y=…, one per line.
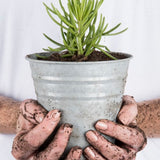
x=34, y=126
x=130, y=138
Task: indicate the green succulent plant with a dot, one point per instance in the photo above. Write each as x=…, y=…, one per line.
x=78, y=27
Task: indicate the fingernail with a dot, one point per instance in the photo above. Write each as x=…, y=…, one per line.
x=76, y=152
x=67, y=128
x=101, y=125
x=76, y=147
x=89, y=152
x=91, y=136
x=67, y=125
x=54, y=114
x=40, y=118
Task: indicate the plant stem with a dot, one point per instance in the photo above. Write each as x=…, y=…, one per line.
x=79, y=39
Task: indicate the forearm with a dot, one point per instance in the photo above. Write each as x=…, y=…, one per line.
x=9, y=112
x=148, y=118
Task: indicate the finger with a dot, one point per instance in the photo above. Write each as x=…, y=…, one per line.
x=107, y=149
x=91, y=154
x=128, y=111
x=27, y=143
x=74, y=154
x=130, y=136
x=56, y=148
x=31, y=114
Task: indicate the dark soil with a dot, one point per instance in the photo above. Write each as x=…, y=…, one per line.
x=94, y=56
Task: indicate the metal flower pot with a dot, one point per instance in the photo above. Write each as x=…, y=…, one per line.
x=84, y=91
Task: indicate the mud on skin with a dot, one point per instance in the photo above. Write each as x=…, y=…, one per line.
x=148, y=118
x=132, y=138
x=58, y=145
x=35, y=125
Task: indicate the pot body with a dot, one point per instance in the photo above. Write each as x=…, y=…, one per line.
x=84, y=91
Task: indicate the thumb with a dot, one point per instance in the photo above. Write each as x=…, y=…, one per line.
x=128, y=112
x=31, y=114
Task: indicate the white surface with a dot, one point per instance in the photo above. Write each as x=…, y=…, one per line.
x=23, y=22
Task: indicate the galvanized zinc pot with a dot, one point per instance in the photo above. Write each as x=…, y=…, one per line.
x=84, y=91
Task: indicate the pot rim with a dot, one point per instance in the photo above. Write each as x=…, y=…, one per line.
x=30, y=58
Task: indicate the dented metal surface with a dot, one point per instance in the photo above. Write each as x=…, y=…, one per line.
x=84, y=91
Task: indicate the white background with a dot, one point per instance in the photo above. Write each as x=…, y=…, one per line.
x=22, y=23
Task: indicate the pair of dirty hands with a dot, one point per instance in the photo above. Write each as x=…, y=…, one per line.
x=35, y=125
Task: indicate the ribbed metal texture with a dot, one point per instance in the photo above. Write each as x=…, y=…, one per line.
x=84, y=91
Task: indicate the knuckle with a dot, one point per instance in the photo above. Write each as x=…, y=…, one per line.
x=20, y=147
x=141, y=140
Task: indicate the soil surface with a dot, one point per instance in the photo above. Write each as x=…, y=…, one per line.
x=94, y=56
